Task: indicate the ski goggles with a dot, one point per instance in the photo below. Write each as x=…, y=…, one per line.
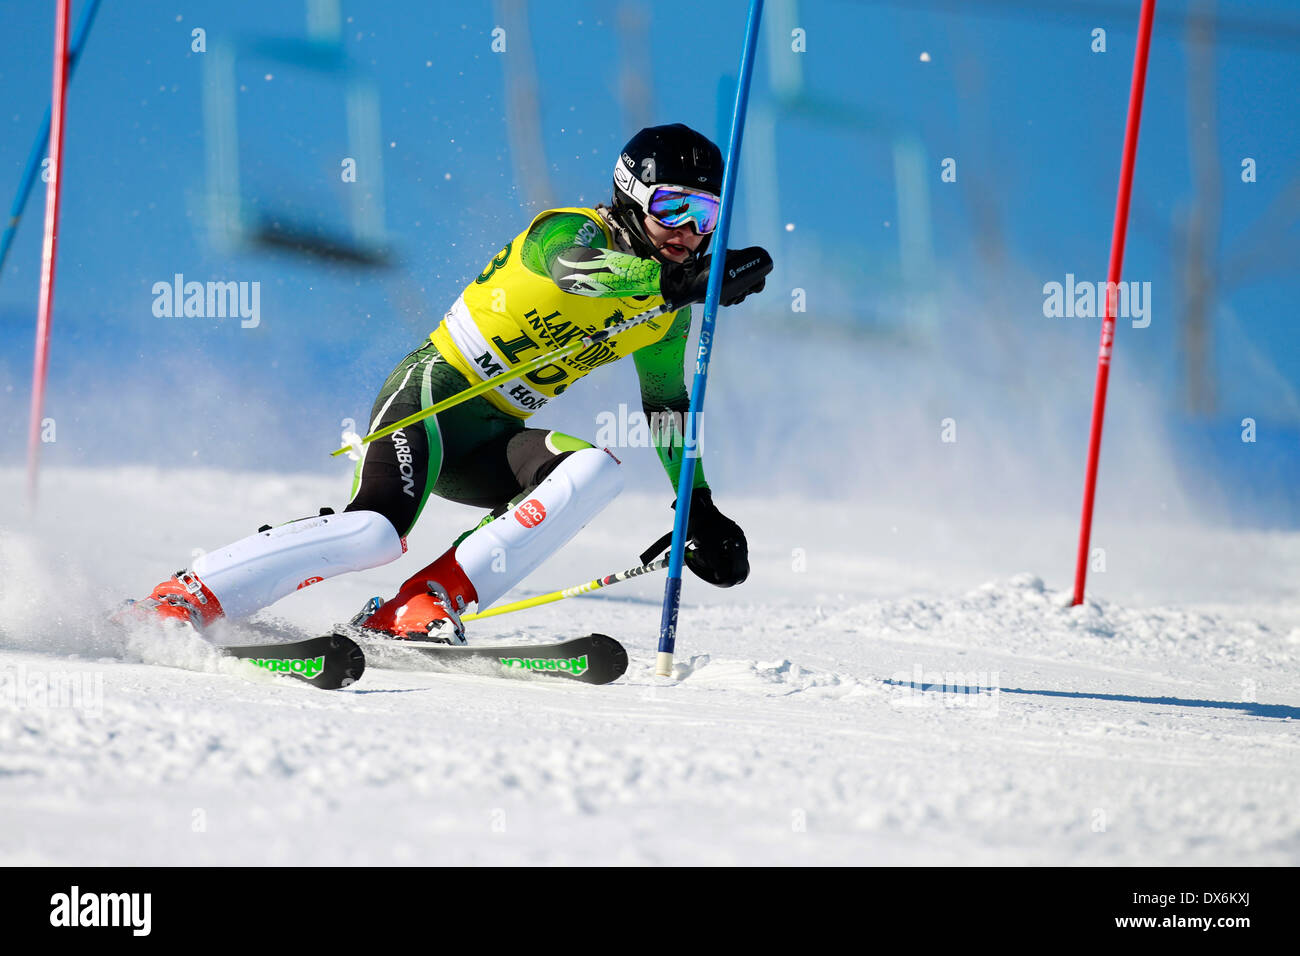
x=672, y=206
x=677, y=206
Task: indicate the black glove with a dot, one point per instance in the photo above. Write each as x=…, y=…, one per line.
x=744, y=274
x=721, y=554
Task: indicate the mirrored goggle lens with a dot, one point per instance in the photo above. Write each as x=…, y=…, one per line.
x=674, y=207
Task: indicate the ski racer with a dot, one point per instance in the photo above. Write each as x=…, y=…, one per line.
x=571, y=272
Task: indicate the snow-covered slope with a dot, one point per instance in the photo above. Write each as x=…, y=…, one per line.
x=888, y=687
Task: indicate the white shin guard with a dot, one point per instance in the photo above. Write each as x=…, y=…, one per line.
x=259, y=570
x=503, y=552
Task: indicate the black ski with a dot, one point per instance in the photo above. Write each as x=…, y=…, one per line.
x=594, y=659
x=330, y=663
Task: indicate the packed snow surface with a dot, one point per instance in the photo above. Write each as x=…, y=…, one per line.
x=888, y=687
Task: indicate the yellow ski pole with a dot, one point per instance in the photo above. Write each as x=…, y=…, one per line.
x=517, y=372
x=574, y=591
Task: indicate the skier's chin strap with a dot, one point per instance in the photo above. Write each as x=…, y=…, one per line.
x=624, y=239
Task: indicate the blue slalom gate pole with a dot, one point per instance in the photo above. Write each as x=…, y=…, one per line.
x=43, y=137
x=673, y=588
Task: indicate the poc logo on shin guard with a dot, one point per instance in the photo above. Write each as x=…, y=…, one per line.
x=530, y=513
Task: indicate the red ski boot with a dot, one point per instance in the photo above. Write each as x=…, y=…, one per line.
x=428, y=605
x=182, y=597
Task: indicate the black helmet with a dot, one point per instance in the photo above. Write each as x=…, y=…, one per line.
x=669, y=155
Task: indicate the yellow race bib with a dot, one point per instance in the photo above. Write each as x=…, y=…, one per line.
x=510, y=315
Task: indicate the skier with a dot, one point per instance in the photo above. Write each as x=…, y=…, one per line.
x=571, y=272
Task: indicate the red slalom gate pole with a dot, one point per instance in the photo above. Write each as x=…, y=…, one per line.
x=1112, y=285
x=50, y=246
